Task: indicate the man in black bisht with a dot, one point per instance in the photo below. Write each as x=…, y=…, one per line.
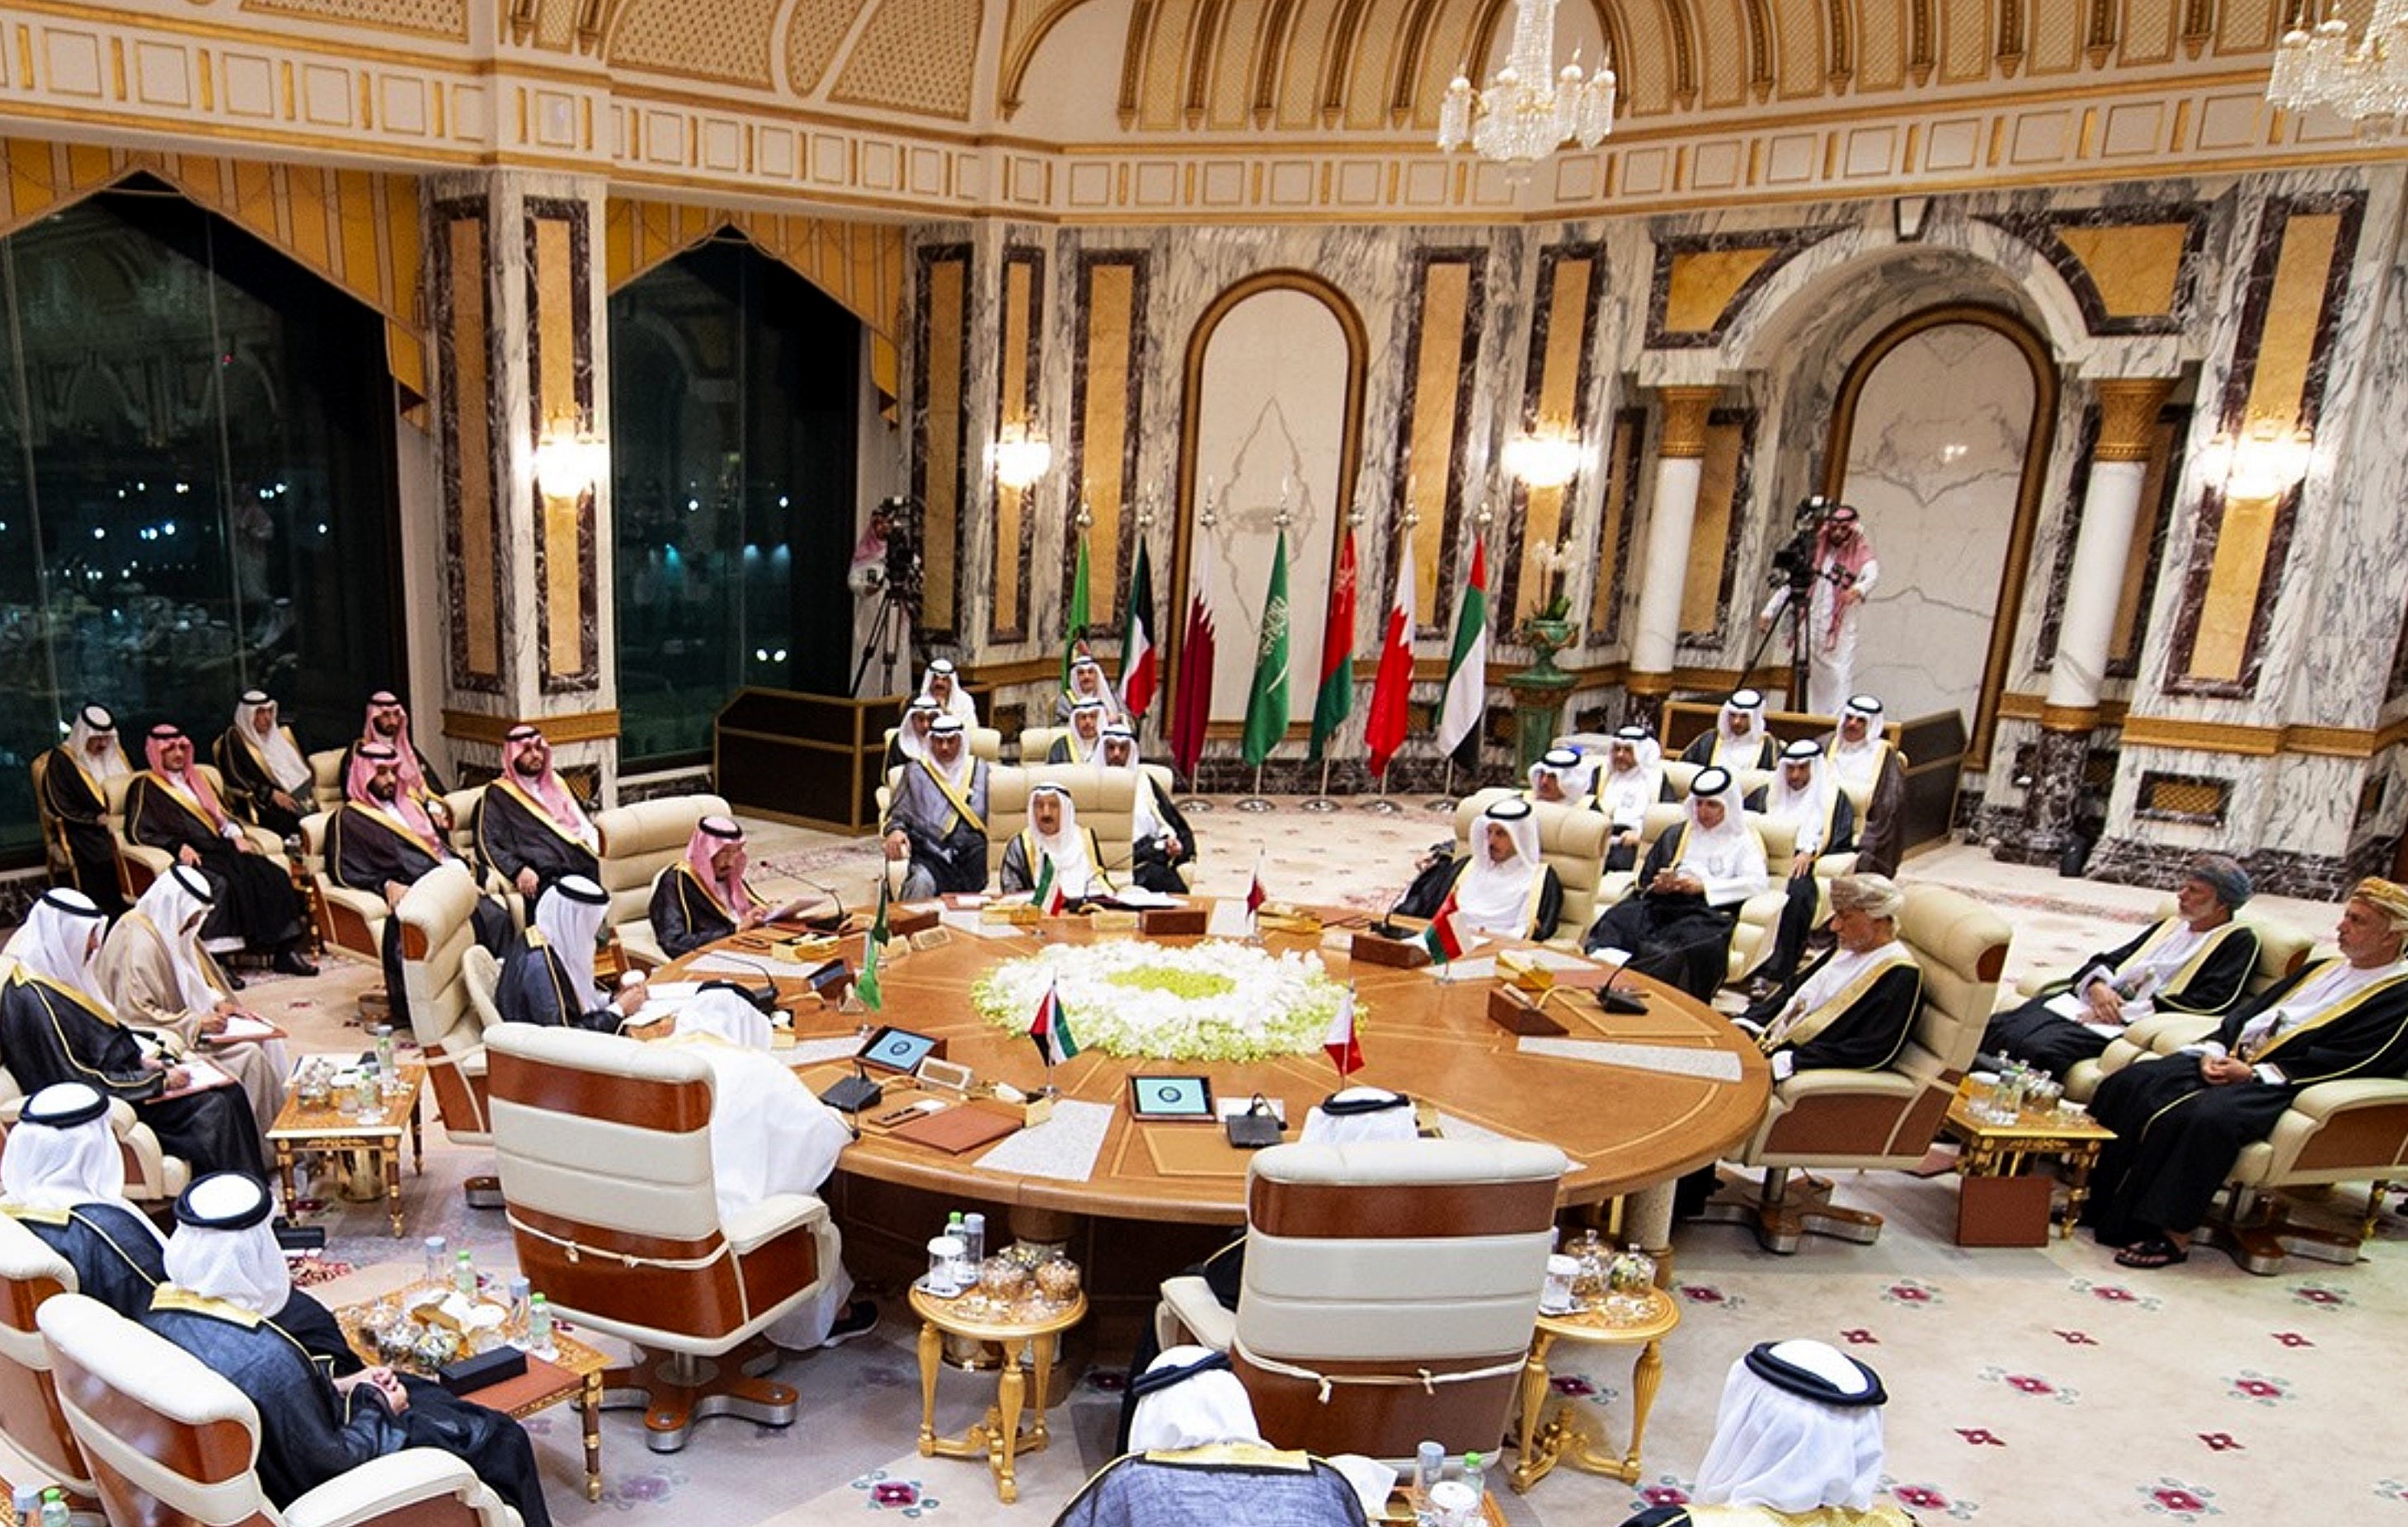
x=74, y=781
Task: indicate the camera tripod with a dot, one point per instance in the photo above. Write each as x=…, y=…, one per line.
x=888, y=629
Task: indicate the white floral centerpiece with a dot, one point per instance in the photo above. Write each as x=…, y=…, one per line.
x=1215, y=1001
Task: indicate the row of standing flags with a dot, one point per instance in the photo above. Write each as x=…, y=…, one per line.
x=1267, y=699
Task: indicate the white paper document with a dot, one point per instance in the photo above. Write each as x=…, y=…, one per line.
x=1064, y=1147
x=729, y=965
x=1138, y=896
x=1671, y=1059
x=1478, y=968
x=968, y=922
x=244, y=1026
x=1230, y=920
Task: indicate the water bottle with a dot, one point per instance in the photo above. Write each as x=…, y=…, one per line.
x=463, y=1274
x=388, y=1070
x=539, y=1323
x=27, y=1499
x=54, y=1508
x=520, y=1289
x=1430, y=1466
x=973, y=1234
x=438, y=1262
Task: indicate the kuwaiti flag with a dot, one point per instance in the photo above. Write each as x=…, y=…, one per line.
x=866, y=986
x=1045, y=895
x=1443, y=937
x=1334, y=699
x=1138, y=677
x=1345, y=1050
x=1050, y=1031
x=1384, y=728
x=1192, y=701
x=1467, y=668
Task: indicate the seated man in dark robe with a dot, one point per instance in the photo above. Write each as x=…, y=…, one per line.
x=1159, y=840
x=229, y=1301
x=1054, y=852
x=1854, y=1007
x=548, y=976
x=937, y=818
x=74, y=786
x=171, y=805
x=1804, y=796
x=530, y=828
x=1863, y=760
x=911, y=738
x=702, y=898
x=2196, y=962
x=1798, y=1439
x=1676, y=923
x=55, y=1027
x=63, y=1178
x=381, y=840
x=268, y=778
x=1739, y=740
x=1085, y=737
x=387, y=720
x=1630, y=781
x=2181, y=1119
x=1196, y=1454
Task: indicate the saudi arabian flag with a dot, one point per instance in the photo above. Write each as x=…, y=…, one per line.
x=1266, y=701
x=1074, y=618
x=1466, y=667
x=865, y=986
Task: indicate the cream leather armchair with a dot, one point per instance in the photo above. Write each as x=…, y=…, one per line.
x=1104, y=800
x=1758, y=916
x=354, y=918
x=1035, y=742
x=1872, y=1120
x=2282, y=951
x=143, y=863
x=984, y=742
x=605, y=1145
x=326, y=774
x=638, y=842
x=171, y=1442
x=1572, y=841
x=1389, y=1294
x=31, y=1275
x=436, y=937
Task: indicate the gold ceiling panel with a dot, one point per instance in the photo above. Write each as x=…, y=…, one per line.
x=916, y=56
x=1800, y=48
x=813, y=33
x=1235, y=52
x=2056, y=44
x=1161, y=69
x=557, y=21
x=1646, y=72
x=433, y=18
x=1881, y=32
x=2147, y=30
x=1722, y=52
x=1378, y=48
x=2248, y=26
x=1966, y=31
x=1298, y=75
x=704, y=40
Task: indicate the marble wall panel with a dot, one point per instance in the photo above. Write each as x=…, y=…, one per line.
x=1108, y=398
x=1935, y=461
x=561, y=349
x=940, y=422
x=1618, y=514
x=1019, y=376
x=480, y=600
x=1432, y=466
x=1556, y=388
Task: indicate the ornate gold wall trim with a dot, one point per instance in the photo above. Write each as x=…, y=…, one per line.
x=2029, y=492
x=568, y=727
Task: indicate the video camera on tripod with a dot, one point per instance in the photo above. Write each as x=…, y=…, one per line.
x=1793, y=562
x=899, y=519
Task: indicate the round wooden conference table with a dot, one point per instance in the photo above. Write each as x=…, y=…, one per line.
x=1649, y=1096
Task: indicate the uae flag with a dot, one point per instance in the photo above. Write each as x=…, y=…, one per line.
x=1191, y=702
x=1074, y=618
x=1345, y=1050
x=1137, y=641
x=1335, y=700
x=1383, y=730
x=1466, y=667
x=865, y=986
x=1266, y=697
x=1050, y=1030
x=1443, y=937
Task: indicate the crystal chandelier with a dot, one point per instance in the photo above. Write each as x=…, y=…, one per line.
x=1528, y=109
x=2367, y=84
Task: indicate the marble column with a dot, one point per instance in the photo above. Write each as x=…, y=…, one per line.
x=517, y=296
x=1681, y=453
x=2128, y=415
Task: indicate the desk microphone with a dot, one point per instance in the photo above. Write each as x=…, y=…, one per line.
x=822, y=925
x=1620, y=1002
x=764, y=997
x=850, y=1094
x=1387, y=927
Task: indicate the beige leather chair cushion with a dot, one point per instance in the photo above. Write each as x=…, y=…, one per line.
x=26, y=1262
x=1572, y=841
x=639, y=841
x=1104, y=800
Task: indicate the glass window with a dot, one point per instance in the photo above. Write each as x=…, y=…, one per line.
x=197, y=484
x=733, y=384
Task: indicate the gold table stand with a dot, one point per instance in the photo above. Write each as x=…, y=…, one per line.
x=1544, y=1439
x=999, y=1438
x=328, y=1129
x=1996, y=1149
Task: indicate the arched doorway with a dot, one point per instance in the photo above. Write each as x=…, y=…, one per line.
x=1941, y=437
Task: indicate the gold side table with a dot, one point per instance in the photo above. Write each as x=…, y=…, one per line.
x=1546, y=1440
x=328, y=1128
x=1994, y=1149
x=999, y=1439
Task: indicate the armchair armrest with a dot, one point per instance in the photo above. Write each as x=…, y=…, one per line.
x=1190, y=1302
x=1830, y=866
x=389, y=1485
x=2162, y=1033
x=1806, y=1085
x=2326, y=1100
x=769, y=1219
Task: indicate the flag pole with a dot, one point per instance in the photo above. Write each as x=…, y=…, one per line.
x=1255, y=802
x=1321, y=802
x=1446, y=792
x=1383, y=806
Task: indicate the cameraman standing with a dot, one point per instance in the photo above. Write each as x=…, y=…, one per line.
x=1843, y=575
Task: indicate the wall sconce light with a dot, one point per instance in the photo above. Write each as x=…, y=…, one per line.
x=570, y=461
x=2264, y=461
x=1548, y=457
x=1019, y=456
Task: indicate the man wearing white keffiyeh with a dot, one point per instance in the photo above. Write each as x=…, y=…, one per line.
x=155, y=974
x=1677, y=921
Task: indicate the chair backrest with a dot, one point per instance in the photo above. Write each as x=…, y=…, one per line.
x=605, y=1149
x=327, y=774
x=481, y=977
x=463, y=805
x=1038, y=741
x=31, y=1274
x=1571, y=842
x=436, y=933
x=2282, y=948
x=1962, y=947
x=639, y=841
x=313, y=842
x=1104, y=800
x=1387, y=1259
x=170, y=1443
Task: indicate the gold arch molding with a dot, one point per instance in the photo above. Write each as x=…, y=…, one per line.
x=1350, y=454
x=2017, y=565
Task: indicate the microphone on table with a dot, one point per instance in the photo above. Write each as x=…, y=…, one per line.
x=822, y=925
x=1387, y=927
x=850, y=1094
x=1620, y=1002
x=764, y=997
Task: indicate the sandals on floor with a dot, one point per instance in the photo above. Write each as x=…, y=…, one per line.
x=2159, y=1252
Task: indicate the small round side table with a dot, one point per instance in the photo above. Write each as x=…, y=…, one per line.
x=1559, y=1437
x=999, y=1438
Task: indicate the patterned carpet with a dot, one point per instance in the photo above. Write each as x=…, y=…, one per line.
x=2028, y=1386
